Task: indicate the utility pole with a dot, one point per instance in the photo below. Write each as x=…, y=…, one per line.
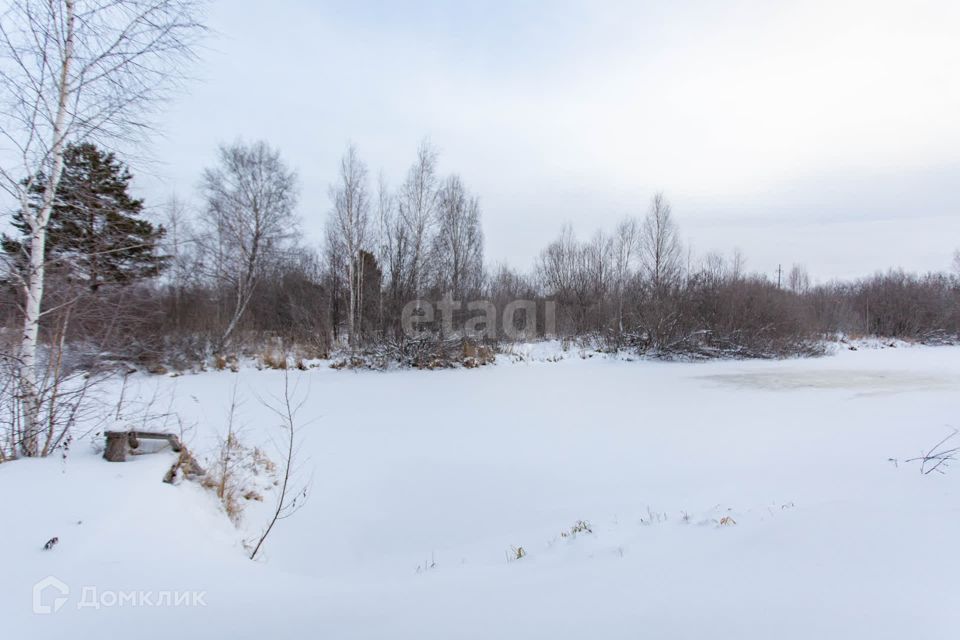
x=779, y=274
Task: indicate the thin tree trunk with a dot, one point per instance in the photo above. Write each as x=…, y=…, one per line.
x=245, y=288
x=352, y=311
x=360, y=295
x=30, y=392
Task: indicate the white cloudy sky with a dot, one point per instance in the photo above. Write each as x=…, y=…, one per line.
x=817, y=132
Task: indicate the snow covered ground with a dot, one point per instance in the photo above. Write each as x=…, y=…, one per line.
x=725, y=499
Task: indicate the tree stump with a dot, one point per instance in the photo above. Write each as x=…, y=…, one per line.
x=118, y=444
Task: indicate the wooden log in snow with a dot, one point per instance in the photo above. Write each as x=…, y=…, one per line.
x=119, y=443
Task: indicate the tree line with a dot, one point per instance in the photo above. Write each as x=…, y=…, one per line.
x=233, y=274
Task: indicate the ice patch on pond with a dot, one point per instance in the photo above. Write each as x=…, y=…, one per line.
x=866, y=382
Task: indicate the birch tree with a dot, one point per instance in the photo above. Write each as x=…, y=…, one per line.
x=799, y=279
x=598, y=271
x=458, y=245
x=624, y=254
x=395, y=256
x=387, y=237
x=251, y=197
x=558, y=273
x=417, y=210
x=72, y=71
x=179, y=245
x=349, y=229
x=660, y=248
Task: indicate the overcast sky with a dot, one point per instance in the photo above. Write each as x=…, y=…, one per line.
x=823, y=133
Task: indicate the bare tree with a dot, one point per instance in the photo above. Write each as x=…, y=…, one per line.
x=348, y=230
x=73, y=70
x=290, y=498
x=557, y=273
x=624, y=255
x=387, y=236
x=660, y=249
x=798, y=280
x=250, y=217
x=713, y=269
x=738, y=265
x=417, y=206
x=458, y=245
x=597, y=272
x=179, y=244
x=394, y=253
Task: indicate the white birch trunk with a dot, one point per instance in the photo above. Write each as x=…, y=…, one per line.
x=33, y=288
x=353, y=300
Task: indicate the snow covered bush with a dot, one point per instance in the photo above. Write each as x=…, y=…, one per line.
x=239, y=474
